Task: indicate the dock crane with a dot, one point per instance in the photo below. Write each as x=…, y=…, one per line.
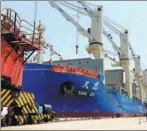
x=95, y=36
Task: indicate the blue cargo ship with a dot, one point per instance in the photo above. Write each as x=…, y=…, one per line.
x=77, y=94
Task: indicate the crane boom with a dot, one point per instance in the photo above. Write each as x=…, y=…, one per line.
x=95, y=32
x=91, y=13
x=85, y=8
x=81, y=29
x=137, y=72
x=69, y=18
x=72, y=7
x=115, y=47
x=104, y=31
x=132, y=51
x=110, y=58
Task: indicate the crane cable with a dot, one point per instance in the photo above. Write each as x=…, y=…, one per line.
x=35, y=14
x=77, y=33
x=70, y=6
x=114, y=23
x=35, y=17
x=35, y=10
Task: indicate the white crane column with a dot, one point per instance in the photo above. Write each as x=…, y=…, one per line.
x=96, y=30
x=145, y=83
x=124, y=61
x=138, y=77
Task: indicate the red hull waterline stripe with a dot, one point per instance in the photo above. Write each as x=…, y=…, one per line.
x=76, y=71
x=93, y=114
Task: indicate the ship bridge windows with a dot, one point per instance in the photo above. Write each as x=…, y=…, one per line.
x=67, y=88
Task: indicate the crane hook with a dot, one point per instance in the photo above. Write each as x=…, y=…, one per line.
x=77, y=47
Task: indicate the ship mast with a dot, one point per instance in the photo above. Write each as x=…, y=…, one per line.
x=41, y=30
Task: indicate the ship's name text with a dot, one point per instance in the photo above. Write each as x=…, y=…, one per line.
x=83, y=93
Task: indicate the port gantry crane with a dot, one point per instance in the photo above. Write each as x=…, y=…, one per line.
x=95, y=36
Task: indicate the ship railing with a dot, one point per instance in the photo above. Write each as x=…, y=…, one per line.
x=124, y=92
x=135, y=98
x=11, y=17
x=30, y=32
x=21, y=28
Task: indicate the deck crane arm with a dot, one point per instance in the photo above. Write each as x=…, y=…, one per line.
x=132, y=51
x=81, y=29
x=124, y=43
x=115, y=47
x=123, y=57
x=136, y=58
x=108, y=53
x=89, y=12
x=72, y=7
x=70, y=19
x=94, y=34
x=137, y=70
x=85, y=8
x=110, y=58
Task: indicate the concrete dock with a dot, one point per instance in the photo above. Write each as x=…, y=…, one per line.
x=98, y=124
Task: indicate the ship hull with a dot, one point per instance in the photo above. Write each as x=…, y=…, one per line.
x=46, y=86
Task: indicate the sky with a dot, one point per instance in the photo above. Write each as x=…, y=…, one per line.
x=132, y=15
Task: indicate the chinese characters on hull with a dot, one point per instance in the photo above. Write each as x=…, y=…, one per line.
x=95, y=86
x=86, y=85
x=91, y=94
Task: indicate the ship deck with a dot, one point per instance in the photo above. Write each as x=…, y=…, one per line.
x=100, y=124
